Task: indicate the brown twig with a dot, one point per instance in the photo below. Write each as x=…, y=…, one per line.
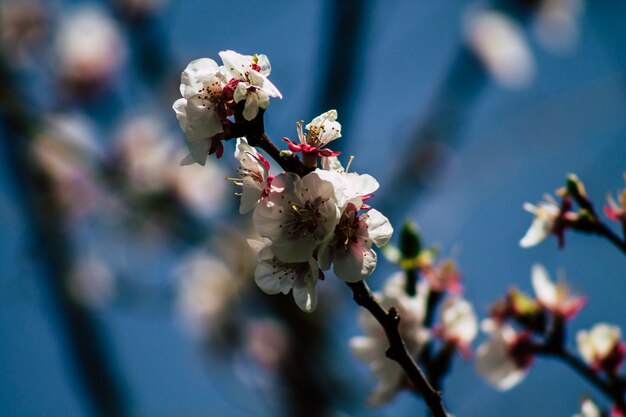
x=389, y=320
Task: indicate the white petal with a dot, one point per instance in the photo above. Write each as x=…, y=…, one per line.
x=537, y=232
x=354, y=264
x=264, y=63
x=367, y=349
x=544, y=288
x=236, y=64
x=198, y=72
x=203, y=120
x=494, y=362
x=240, y=92
x=251, y=108
x=270, y=89
x=187, y=160
x=378, y=227
x=266, y=279
x=305, y=295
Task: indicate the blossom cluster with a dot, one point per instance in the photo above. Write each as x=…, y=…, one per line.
x=554, y=217
x=455, y=329
x=307, y=222
x=520, y=327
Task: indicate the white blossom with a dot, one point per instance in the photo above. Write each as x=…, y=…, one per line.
x=206, y=287
x=459, y=323
x=598, y=344
x=200, y=112
x=250, y=72
x=254, y=175
x=556, y=298
x=350, y=249
x=495, y=360
x=588, y=409
x=89, y=48
x=298, y=215
x=274, y=276
x=322, y=130
x=546, y=213
x=499, y=43
x=371, y=347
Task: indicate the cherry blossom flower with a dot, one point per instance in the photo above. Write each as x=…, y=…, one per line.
x=145, y=150
x=322, y=130
x=92, y=282
x=545, y=223
x=274, y=276
x=201, y=111
x=350, y=249
x=371, y=347
x=248, y=81
x=601, y=347
x=298, y=215
x=444, y=277
x=254, y=176
x=88, y=50
x=588, y=409
x=459, y=323
x=206, y=287
x=556, y=24
x=499, y=43
x=504, y=359
x=266, y=343
x=555, y=298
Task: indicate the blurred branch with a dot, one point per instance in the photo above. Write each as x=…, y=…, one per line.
x=89, y=349
x=448, y=112
x=614, y=391
x=341, y=56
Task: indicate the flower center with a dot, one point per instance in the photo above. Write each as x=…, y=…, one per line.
x=305, y=219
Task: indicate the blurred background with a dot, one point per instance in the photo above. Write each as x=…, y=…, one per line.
x=125, y=282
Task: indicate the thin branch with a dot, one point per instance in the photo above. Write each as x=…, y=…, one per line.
x=614, y=391
x=389, y=320
x=603, y=230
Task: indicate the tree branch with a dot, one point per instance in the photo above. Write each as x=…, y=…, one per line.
x=389, y=320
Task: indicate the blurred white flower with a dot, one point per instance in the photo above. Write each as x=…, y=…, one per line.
x=501, y=360
x=500, y=44
x=248, y=76
x=202, y=188
x=459, y=323
x=546, y=213
x=266, y=343
x=274, y=276
x=67, y=150
x=92, y=283
x=588, y=409
x=442, y=277
x=22, y=28
x=89, y=48
x=556, y=24
x=298, y=215
x=371, y=347
x=556, y=298
x=145, y=149
x=601, y=347
x=206, y=288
